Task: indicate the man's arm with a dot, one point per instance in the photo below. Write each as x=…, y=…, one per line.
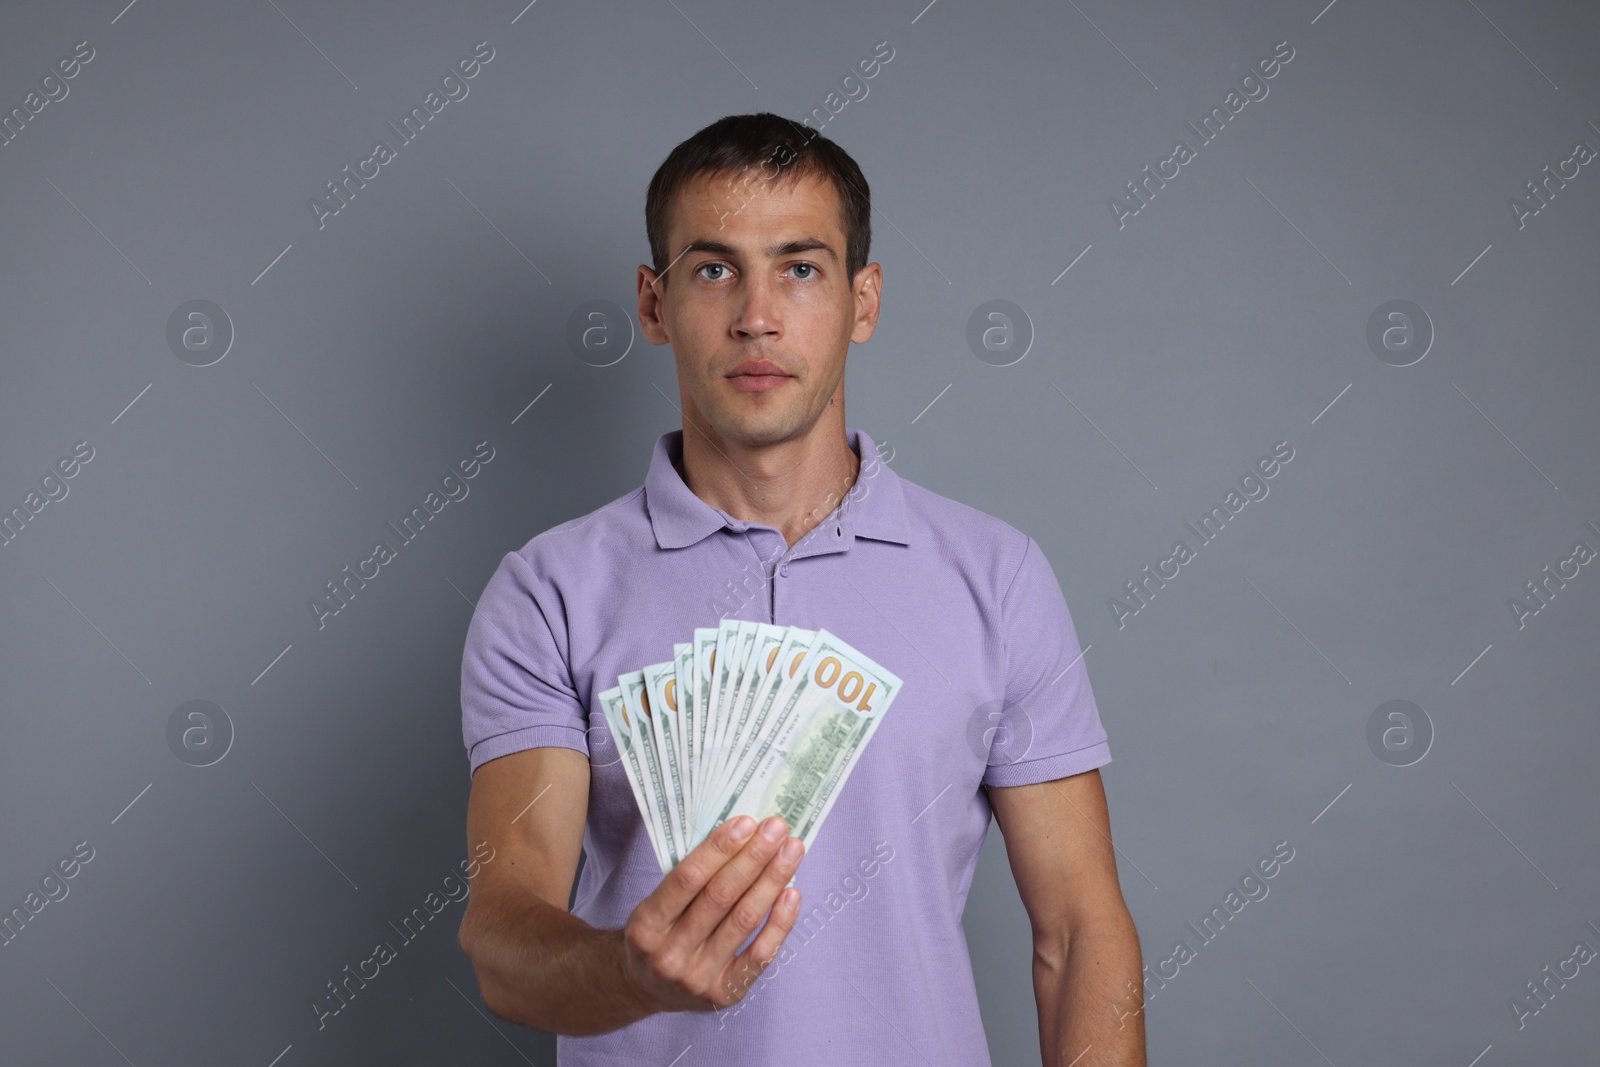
x=1087, y=971
x=540, y=965
x=537, y=963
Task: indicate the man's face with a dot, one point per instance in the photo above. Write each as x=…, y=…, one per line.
x=763, y=278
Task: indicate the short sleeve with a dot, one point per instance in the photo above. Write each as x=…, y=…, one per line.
x=1051, y=725
x=516, y=686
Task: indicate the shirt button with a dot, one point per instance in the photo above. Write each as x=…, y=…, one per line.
x=783, y=571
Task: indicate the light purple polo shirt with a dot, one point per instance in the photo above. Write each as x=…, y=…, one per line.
x=961, y=605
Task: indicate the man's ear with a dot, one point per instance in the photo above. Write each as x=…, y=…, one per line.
x=652, y=292
x=868, y=294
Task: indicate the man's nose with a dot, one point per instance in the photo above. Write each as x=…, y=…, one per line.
x=758, y=313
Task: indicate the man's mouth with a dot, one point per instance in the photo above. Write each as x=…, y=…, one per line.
x=755, y=375
x=758, y=368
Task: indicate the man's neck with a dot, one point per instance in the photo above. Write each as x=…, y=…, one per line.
x=792, y=485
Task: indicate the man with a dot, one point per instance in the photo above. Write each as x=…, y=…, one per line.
x=766, y=506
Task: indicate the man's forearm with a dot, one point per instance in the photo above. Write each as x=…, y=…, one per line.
x=541, y=966
x=1088, y=987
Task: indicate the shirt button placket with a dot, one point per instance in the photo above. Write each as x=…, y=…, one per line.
x=779, y=568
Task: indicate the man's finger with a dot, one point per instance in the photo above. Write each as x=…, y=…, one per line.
x=745, y=916
x=728, y=886
x=744, y=969
x=682, y=885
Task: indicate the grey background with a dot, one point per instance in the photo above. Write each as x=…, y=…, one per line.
x=1227, y=315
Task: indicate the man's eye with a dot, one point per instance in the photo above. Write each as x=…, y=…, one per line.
x=805, y=266
x=713, y=266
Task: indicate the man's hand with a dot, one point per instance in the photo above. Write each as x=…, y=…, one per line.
x=542, y=966
x=679, y=943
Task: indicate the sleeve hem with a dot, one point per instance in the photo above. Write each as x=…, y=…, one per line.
x=1045, y=768
x=547, y=735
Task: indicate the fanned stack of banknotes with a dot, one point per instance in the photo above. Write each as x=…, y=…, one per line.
x=748, y=718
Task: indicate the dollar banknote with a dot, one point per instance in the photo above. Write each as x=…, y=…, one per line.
x=659, y=787
x=818, y=720
x=746, y=718
x=620, y=722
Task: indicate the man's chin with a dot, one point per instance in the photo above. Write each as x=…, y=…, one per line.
x=752, y=427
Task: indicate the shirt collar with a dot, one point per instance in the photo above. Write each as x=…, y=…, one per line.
x=875, y=506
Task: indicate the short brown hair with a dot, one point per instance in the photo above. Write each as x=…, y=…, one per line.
x=736, y=144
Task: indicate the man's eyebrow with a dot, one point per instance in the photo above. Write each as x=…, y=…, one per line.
x=787, y=248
